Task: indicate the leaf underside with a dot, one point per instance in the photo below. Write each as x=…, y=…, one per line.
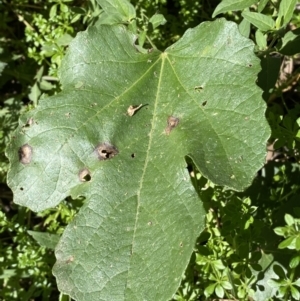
x=134, y=236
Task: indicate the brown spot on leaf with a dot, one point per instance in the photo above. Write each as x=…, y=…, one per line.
x=84, y=175
x=132, y=109
x=29, y=122
x=25, y=154
x=172, y=123
x=71, y=259
x=106, y=151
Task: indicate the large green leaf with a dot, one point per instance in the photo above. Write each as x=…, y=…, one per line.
x=133, y=238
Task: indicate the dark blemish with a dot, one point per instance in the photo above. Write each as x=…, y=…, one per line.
x=29, y=122
x=204, y=103
x=133, y=155
x=25, y=154
x=172, y=123
x=84, y=175
x=22, y=188
x=198, y=88
x=250, y=65
x=106, y=151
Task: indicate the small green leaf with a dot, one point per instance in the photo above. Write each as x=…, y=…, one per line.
x=279, y=231
x=287, y=243
x=244, y=28
x=53, y=11
x=35, y=93
x=45, y=239
x=2, y=66
x=261, y=39
x=142, y=38
x=285, y=13
x=262, y=4
x=64, y=8
x=209, y=289
x=287, y=217
x=262, y=22
x=219, y=291
x=291, y=43
x=295, y=293
x=121, y=10
x=64, y=40
x=294, y=262
x=297, y=282
x=157, y=20
x=227, y=285
x=218, y=264
x=227, y=5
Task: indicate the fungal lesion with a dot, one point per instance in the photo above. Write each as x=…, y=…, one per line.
x=25, y=154
x=106, y=151
x=172, y=122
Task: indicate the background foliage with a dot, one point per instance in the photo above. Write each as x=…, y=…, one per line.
x=251, y=244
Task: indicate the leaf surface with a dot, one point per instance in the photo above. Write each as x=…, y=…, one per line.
x=133, y=238
x=261, y=21
x=286, y=10
x=227, y=5
x=119, y=10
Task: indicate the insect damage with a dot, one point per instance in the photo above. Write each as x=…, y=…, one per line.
x=25, y=154
x=106, y=151
x=84, y=175
x=172, y=122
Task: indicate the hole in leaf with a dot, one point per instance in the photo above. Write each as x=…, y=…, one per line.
x=133, y=155
x=29, y=122
x=85, y=175
x=172, y=123
x=25, y=154
x=198, y=88
x=204, y=103
x=106, y=151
